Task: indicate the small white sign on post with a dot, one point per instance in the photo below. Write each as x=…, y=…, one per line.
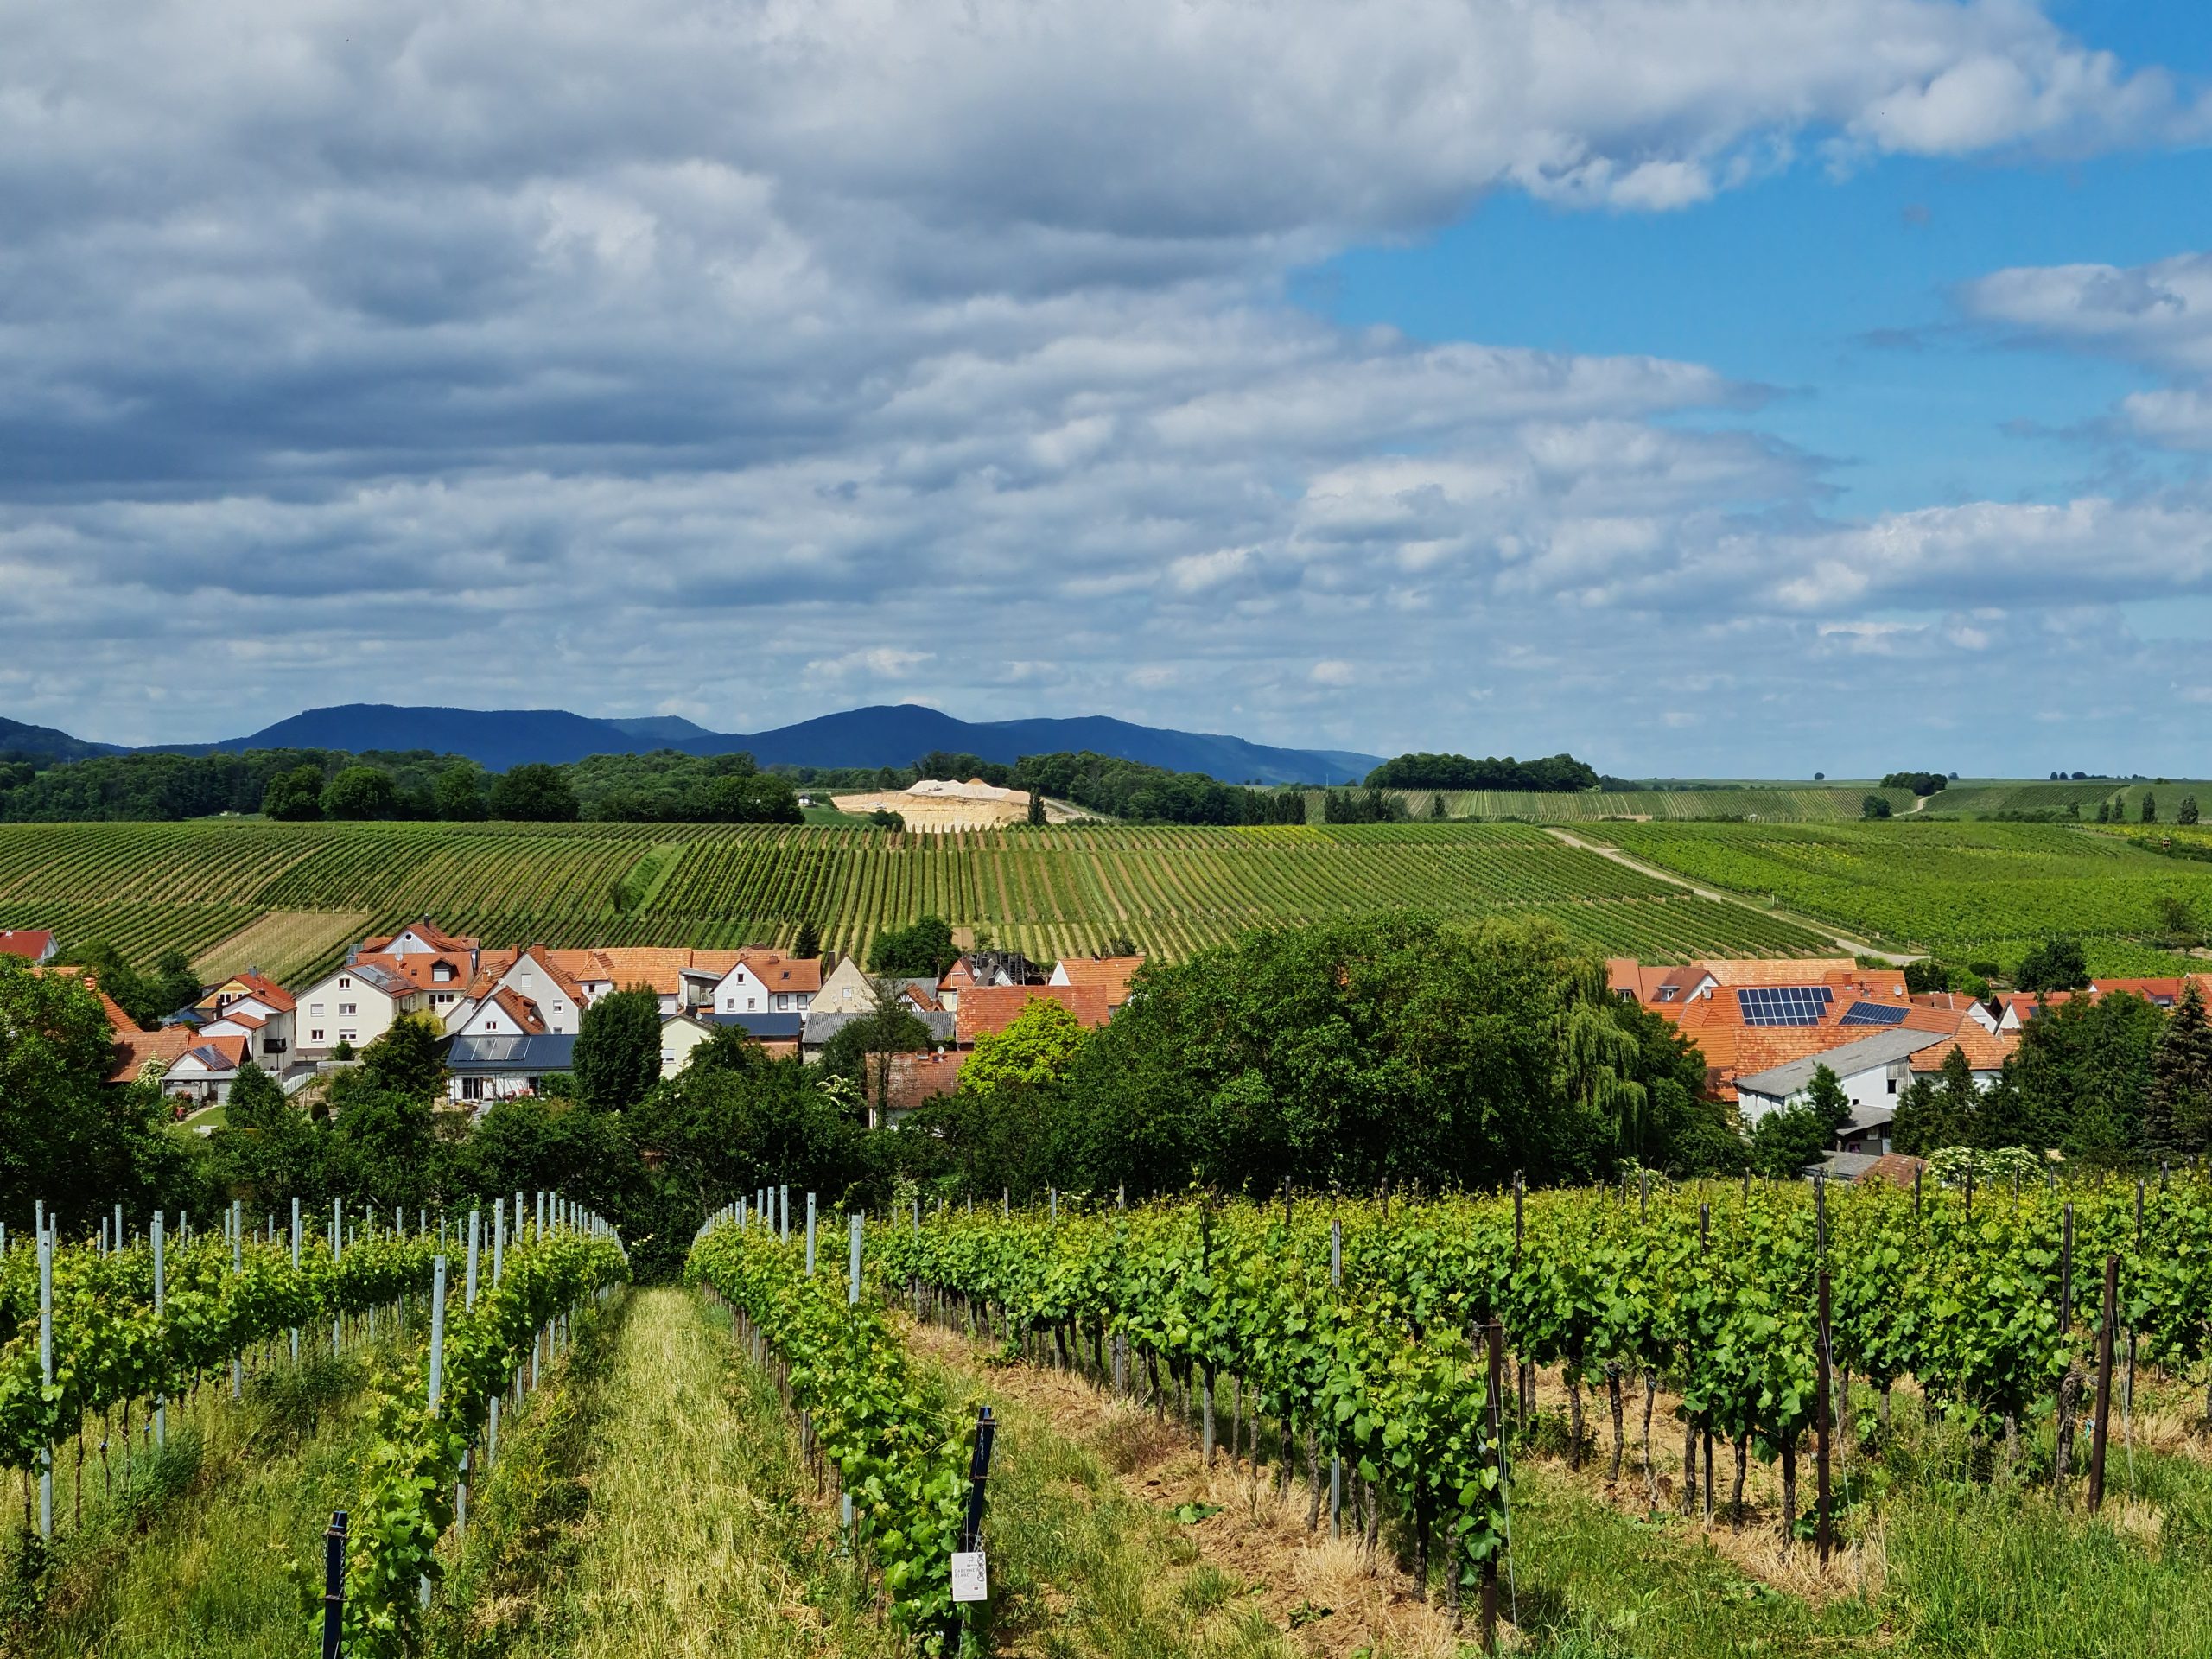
x=969, y=1581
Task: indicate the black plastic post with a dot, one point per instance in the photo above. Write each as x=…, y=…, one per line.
x=334, y=1587
x=971, y=1525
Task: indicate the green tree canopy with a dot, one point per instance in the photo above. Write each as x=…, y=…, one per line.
x=2178, y=1105
x=923, y=951
x=2058, y=964
x=618, y=1050
x=294, y=797
x=458, y=794
x=534, y=794
x=360, y=792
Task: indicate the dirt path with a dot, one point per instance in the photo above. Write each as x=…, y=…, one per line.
x=1858, y=947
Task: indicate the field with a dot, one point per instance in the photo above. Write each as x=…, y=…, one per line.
x=1809, y=803
x=1968, y=891
x=1239, y=1430
x=289, y=895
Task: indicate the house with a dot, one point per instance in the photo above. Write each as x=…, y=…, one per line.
x=822, y=1023
x=503, y=1013
x=767, y=982
x=986, y=968
x=256, y=1008
x=1873, y=1071
x=780, y=1035
x=146, y=1056
x=848, y=987
x=986, y=1010
x=484, y=1069
x=537, y=977
x=33, y=945
x=355, y=1004
x=1111, y=973
x=916, y=1079
x=205, y=1071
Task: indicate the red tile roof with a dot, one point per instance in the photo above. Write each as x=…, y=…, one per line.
x=1110, y=974
x=918, y=1077
x=31, y=941
x=992, y=1009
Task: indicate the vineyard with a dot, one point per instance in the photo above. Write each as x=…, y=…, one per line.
x=1827, y=803
x=1968, y=891
x=215, y=889
x=1720, y=1416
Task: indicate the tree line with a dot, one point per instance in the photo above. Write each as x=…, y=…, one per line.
x=1554, y=775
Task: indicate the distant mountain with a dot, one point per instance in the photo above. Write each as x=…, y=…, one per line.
x=886, y=735
x=895, y=735
x=44, y=740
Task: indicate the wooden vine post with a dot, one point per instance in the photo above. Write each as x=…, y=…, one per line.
x=1823, y=1534
x=1497, y=1345
x=2106, y=1324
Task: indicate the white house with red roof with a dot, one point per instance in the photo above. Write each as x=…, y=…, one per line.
x=767, y=982
x=204, y=1072
x=256, y=1008
x=355, y=1004
x=33, y=944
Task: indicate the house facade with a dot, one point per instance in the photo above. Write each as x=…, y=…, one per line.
x=481, y=1070
x=355, y=1004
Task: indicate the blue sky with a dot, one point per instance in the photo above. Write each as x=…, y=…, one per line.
x=1762, y=387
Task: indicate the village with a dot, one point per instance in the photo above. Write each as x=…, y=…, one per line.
x=511, y=1015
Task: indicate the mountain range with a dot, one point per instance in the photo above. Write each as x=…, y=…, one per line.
x=882, y=735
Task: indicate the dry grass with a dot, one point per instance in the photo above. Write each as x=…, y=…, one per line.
x=1257, y=1542
x=283, y=945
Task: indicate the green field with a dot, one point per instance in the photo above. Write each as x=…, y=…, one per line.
x=147, y=886
x=1964, y=891
x=1808, y=803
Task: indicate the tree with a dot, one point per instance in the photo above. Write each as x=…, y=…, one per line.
x=1921, y=978
x=2104, y=812
x=408, y=1060
x=360, y=792
x=458, y=795
x=267, y=1150
x=2150, y=807
x=65, y=1135
x=534, y=793
x=2188, y=812
x=2082, y=1071
x=2176, y=919
x=1436, y=804
x=1038, y=1048
x=384, y=1146
x=923, y=951
x=1874, y=806
x=618, y=1050
x=1036, y=809
x=810, y=941
x=1784, y=1144
x=294, y=797
x=2057, y=963
x=2177, y=1106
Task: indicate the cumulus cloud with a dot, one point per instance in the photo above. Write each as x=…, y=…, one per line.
x=733, y=358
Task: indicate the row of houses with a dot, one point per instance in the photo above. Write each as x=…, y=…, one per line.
x=1766, y=1025
x=513, y=1015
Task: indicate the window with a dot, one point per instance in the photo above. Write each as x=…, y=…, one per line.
x=668, y=1057
x=443, y=972
x=749, y=1005
x=345, y=1036
x=1893, y=1085
x=316, y=1036
x=345, y=984
x=314, y=1008
x=472, y=1088
x=349, y=1007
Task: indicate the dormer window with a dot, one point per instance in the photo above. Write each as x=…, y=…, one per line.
x=442, y=973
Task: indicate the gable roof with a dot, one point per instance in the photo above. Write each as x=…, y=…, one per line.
x=1847, y=1059
x=134, y=1050
x=427, y=930
x=34, y=943
x=989, y=1009
x=659, y=968
x=1110, y=974
x=918, y=1077
x=213, y=1054
x=254, y=985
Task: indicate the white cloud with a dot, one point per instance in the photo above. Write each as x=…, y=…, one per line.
x=648, y=355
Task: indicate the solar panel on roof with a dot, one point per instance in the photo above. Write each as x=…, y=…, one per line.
x=1784, y=1005
x=1873, y=1013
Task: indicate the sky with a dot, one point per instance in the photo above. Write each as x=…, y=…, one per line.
x=1706, y=387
